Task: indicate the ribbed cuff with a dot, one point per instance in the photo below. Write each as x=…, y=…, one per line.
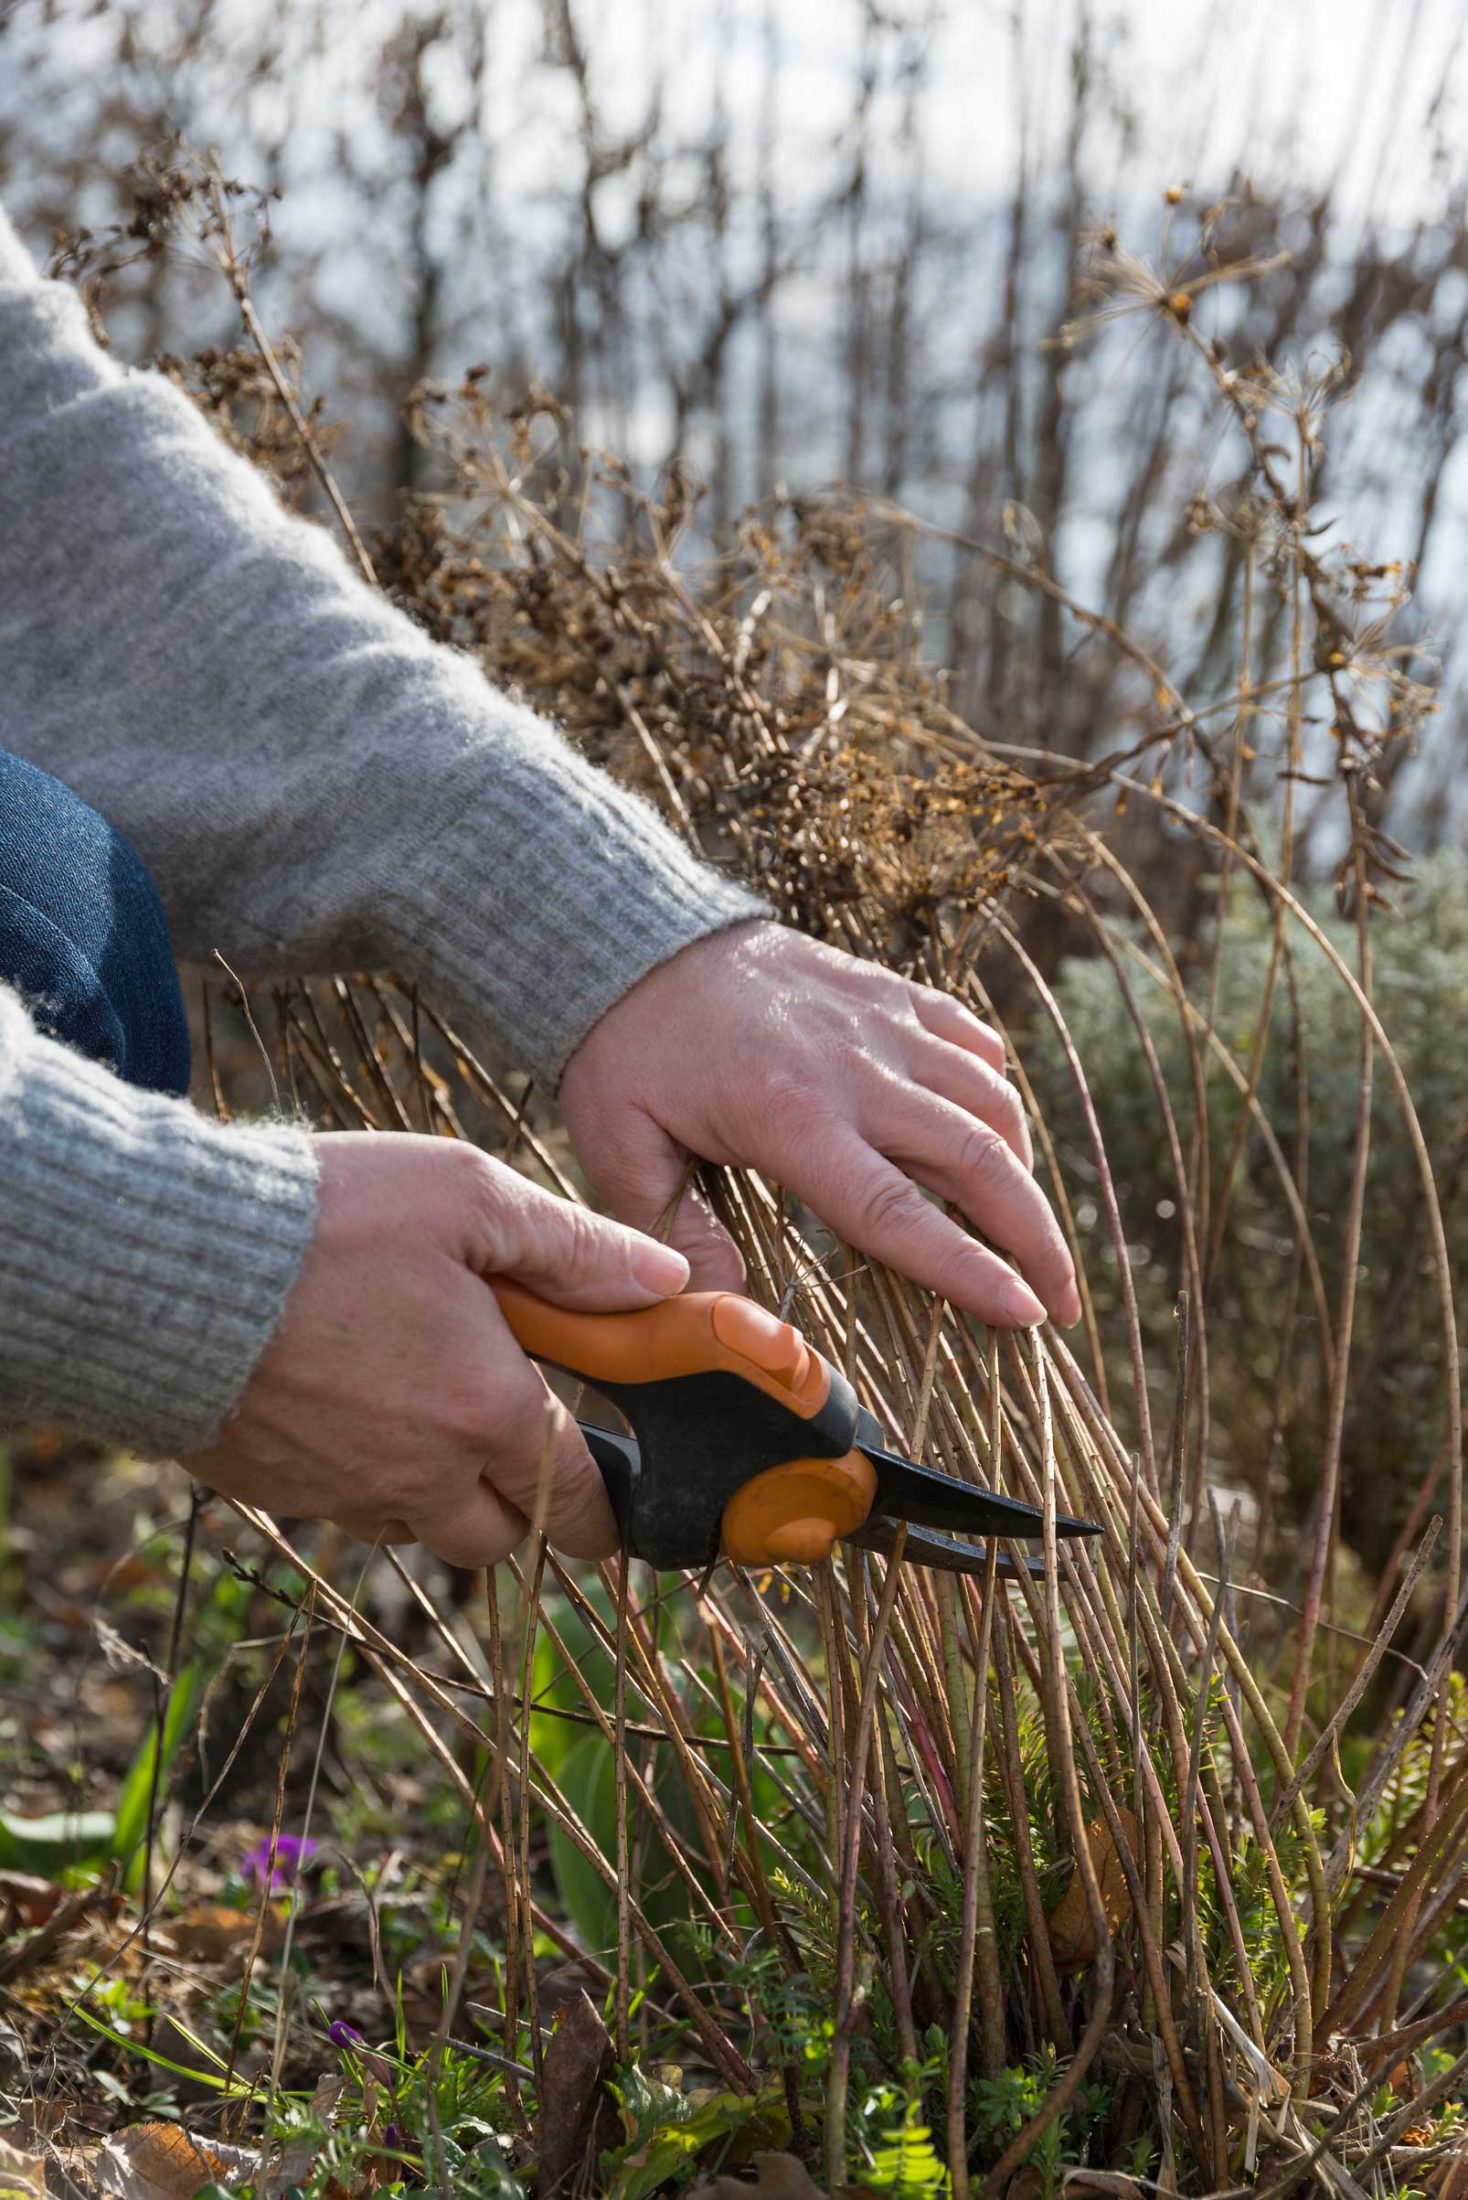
x=146, y=1253
x=548, y=890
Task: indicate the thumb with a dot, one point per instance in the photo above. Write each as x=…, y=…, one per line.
x=566, y=1252
x=646, y=1179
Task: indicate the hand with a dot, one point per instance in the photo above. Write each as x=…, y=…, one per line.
x=392, y=1397
x=846, y=1084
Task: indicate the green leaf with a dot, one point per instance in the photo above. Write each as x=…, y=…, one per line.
x=67, y=1840
x=648, y=2104
x=669, y=2130
x=129, y=1839
x=554, y=1687
x=906, y=2163
x=237, y=2089
x=588, y=1780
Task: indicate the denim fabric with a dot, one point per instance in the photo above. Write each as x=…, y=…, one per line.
x=83, y=937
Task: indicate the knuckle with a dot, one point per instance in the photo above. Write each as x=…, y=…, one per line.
x=477, y=1185
x=464, y=1164
x=510, y=1439
x=785, y=1088
x=984, y=1158
x=586, y=1239
x=889, y=1207
x=798, y=1106
x=468, y=1410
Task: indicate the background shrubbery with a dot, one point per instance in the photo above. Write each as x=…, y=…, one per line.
x=1420, y=978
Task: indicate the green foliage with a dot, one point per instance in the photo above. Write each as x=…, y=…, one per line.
x=905, y=2164
x=116, y=1997
x=74, y=1844
x=1420, y=986
x=1001, y=2107
x=77, y=1844
x=148, y=1773
x=1407, y=1788
x=793, y=2011
x=15, y=1645
x=669, y=2131
x=1258, y=1919
x=420, y=2113
x=584, y=1768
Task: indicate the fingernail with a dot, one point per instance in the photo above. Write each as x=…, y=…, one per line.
x=659, y=1268
x=1070, y=1307
x=1019, y=1305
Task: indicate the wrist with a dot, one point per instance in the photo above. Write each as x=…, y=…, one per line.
x=540, y=891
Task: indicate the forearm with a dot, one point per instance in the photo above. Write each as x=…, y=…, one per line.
x=145, y=1253
x=312, y=782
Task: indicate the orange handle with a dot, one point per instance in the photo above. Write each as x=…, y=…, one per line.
x=791, y=1515
x=690, y=1335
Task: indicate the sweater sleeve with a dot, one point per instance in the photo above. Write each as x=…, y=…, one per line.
x=145, y=1251
x=312, y=782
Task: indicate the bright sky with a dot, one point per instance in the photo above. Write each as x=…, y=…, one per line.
x=1372, y=94
x=1371, y=91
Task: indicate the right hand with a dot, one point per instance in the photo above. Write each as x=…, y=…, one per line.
x=392, y=1397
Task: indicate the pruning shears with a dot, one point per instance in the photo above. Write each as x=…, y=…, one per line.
x=746, y=1441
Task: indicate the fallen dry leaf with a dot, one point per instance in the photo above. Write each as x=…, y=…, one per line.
x=1026, y=2184
x=1072, y=1933
x=25, y=1900
x=776, y=2177
x=22, y=2175
x=163, y=2162
x=577, y=2060
x=1405, y=2078
x=209, y=1930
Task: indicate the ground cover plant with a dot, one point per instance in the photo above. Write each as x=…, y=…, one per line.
x=328, y=1874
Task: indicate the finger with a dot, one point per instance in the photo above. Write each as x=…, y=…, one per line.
x=374, y=1531
x=969, y=1163
x=974, y=1086
x=475, y=1527
x=978, y=1089
x=564, y=1251
x=539, y=1465
x=948, y=1019
x=714, y=1260
x=868, y=1201
x=643, y=1179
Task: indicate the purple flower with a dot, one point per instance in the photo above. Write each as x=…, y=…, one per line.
x=342, y=2034
x=392, y=2137
x=276, y=1869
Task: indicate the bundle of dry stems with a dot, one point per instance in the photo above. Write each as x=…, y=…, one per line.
x=1193, y=1880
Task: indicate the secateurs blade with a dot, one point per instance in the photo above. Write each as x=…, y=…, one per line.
x=746, y=1441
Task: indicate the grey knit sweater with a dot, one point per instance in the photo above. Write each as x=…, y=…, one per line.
x=314, y=786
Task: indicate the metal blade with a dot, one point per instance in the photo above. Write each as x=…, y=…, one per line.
x=620, y=1462
x=924, y=1547
x=906, y=1491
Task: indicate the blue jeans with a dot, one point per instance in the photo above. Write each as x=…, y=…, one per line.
x=83, y=937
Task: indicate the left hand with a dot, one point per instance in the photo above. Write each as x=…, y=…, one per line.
x=852, y=1087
